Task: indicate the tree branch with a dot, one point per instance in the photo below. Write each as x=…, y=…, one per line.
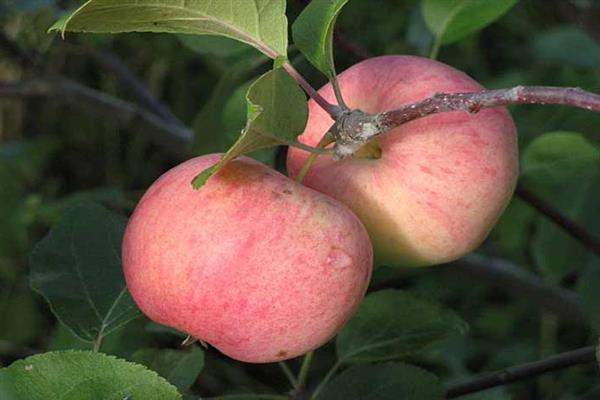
x=132, y=85
x=15, y=51
x=475, y=101
x=571, y=227
x=523, y=371
x=174, y=137
x=521, y=284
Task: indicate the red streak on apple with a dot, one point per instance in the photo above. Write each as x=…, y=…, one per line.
x=442, y=181
x=260, y=267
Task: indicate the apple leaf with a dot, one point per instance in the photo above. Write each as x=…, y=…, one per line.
x=564, y=169
x=20, y=318
x=217, y=46
x=388, y=381
x=451, y=20
x=180, y=368
x=391, y=324
x=313, y=33
x=77, y=375
x=276, y=114
x=77, y=268
x=567, y=45
x=259, y=23
x=208, y=126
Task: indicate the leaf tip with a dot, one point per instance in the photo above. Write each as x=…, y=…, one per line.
x=200, y=179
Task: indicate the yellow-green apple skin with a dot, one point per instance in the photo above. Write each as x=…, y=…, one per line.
x=260, y=267
x=442, y=181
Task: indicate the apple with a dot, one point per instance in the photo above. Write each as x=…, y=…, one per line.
x=260, y=267
x=440, y=183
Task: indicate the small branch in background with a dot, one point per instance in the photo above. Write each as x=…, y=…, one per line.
x=521, y=284
x=571, y=227
x=173, y=137
x=11, y=351
x=132, y=85
x=355, y=50
x=12, y=49
x=523, y=371
x=128, y=81
x=476, y=101
x=585, y=16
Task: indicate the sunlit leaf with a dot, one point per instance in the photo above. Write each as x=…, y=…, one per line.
x=81, y=375
x=276, y=114
x=313, y=33
x=259, y=23
x=451, y=20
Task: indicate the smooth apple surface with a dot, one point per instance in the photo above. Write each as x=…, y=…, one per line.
x=260, y=267
x=441, y=182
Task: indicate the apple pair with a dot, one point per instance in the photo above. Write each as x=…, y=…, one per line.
x=265, y=269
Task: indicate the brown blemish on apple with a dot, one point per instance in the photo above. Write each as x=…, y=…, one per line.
x=237, y=171
x=287, y=191
x=282, y=353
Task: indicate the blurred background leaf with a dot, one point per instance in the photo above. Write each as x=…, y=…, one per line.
x=77, y=268
x=384, y=382
x=180, y=368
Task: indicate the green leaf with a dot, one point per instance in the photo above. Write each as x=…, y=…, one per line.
x=13, y=238
x=390, y=324
x=563, y=168
x=388, y=381
x=180, y=368
x=451, y=20
x=234, y=119
x=276, y=114
x=259, y=23
x=313, y=33
x=587, y=289
x=81, y=375
x=77, y=268
x=218, y=46
x=567, y=45
x=512, y=232
x=20, y=319
x=209, y=125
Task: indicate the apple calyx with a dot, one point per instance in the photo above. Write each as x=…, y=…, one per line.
x=353, y=129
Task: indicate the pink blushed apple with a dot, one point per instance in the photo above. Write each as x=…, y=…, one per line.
x=442, y=181
x=260, y=267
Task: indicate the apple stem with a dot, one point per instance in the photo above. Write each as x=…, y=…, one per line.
x=325, y=140
x=326, y=379
x=289, y=374
x=338, y=92
x=304, y=368
x=333, y=110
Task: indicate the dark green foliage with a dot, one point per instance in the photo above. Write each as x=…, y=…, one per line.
x=54, y=156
